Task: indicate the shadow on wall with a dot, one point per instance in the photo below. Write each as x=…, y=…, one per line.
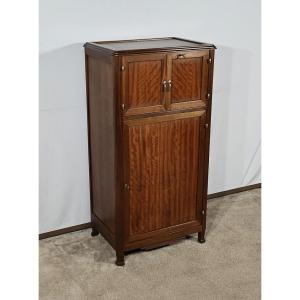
x=64, y=187
x=230, y=125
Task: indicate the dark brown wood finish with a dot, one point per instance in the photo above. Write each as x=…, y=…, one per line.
x=102, y=139
x=142, y=77
x=201, y=235
x=149, y=120
x=188, y=75
x=120, y=217
x=141, y=46
x=163, y=171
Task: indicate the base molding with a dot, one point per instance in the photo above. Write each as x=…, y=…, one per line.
x=234, y=191
x=89, y=224
x=64, y=230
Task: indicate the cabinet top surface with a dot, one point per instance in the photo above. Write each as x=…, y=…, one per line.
x=170, y=43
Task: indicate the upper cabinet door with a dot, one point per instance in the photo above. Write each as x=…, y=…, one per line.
x=143, y=78
x=187, y=80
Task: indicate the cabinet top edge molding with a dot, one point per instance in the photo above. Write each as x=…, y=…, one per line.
x=147, y=45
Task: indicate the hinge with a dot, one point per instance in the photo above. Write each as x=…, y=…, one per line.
x=209, y=60
x=203, y=212
x=123, y=106
x=208, y=95
x=122, y=68
x=126, y=186
x=206, y=125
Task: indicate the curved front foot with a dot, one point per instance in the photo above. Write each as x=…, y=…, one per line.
x=94, y=232
x=201, y=237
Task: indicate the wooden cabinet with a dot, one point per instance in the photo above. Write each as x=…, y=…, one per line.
x=149, y=108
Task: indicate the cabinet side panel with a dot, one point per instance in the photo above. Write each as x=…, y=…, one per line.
x=102, y=140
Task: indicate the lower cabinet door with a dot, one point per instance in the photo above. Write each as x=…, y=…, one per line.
x=164, y=157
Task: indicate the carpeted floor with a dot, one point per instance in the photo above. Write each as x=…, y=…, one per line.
x=76, y=266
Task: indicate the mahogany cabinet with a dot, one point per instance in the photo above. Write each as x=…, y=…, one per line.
x=149, y=109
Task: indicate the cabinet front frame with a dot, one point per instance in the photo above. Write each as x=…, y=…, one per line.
x=166, y=103
x=171, y=233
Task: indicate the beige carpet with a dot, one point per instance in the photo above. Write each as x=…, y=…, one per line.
x=77, y=266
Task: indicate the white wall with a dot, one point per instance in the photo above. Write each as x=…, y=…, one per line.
x=233, y=25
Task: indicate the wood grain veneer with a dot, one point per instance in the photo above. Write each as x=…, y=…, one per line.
x=149, y=108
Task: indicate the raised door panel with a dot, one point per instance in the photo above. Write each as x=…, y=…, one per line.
x=188, y=72
x=165, y=163
x=142, y=78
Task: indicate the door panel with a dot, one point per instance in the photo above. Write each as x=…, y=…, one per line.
x=142, y=83
x=165, y=156
x=189, y=77
x=186, y=79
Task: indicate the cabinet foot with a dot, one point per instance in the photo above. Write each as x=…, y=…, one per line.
x=120, y=261
x=201, y=237
x=94, y=232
